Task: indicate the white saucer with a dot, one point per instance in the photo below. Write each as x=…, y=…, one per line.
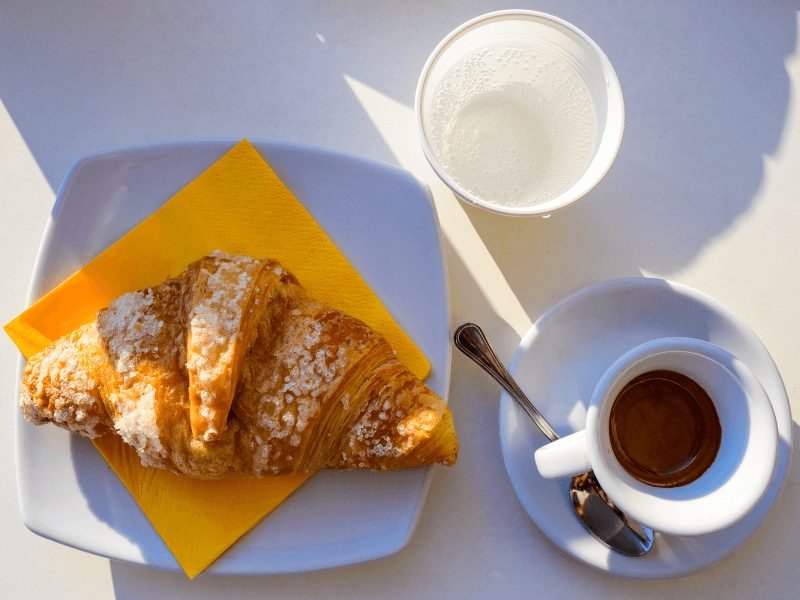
x=558, y=363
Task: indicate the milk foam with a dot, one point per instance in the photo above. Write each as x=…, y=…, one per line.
x=513, y=125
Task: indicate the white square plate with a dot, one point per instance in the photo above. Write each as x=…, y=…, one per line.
x=382, y=219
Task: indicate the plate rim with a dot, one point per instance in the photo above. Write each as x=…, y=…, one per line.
x=225, y=144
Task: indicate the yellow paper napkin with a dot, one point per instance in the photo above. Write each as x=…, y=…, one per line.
x=240, y=206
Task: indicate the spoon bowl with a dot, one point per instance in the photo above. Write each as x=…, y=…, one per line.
x=592, y=506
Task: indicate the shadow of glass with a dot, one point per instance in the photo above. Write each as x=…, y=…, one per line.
x=706, y=100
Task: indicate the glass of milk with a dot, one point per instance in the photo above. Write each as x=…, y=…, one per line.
x=519, y=112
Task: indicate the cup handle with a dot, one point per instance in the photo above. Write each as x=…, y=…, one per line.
x=566, y=456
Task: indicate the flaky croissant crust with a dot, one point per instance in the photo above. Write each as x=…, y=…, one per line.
x=233, y=367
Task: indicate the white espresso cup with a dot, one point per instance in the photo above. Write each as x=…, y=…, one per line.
x=733, y=483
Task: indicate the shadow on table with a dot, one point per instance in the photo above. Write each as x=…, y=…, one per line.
x=706, y=97
x=706, y=101
x=423, y=561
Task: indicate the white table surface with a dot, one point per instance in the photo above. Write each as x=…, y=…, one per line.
x=705, y=191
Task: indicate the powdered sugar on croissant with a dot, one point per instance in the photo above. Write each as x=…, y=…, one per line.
x=233, y=367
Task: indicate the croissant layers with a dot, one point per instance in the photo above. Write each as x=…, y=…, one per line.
x=233, y=367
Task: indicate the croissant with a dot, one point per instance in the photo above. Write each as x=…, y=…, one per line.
x=232, y=367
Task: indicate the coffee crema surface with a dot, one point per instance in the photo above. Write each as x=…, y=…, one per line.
x=664, y=429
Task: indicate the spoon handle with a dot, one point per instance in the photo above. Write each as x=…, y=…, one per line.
x=470, y=339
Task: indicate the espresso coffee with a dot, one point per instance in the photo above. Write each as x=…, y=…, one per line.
x=664, y=429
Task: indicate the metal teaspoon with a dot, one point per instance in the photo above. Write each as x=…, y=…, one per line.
x=593, y=508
